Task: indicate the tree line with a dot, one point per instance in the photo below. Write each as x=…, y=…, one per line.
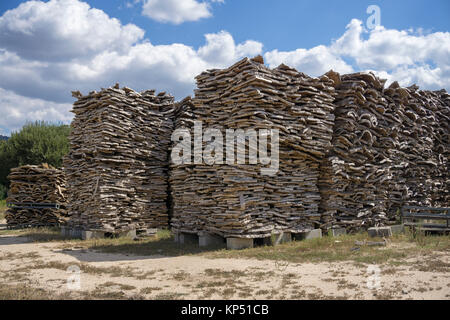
x=36, y=143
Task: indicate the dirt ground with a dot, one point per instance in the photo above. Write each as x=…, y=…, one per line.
x=54, y=267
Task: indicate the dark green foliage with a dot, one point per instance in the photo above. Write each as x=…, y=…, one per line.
x=3, y=192
x=35, y=143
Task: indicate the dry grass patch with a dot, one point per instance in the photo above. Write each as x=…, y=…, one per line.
x=18, y=256
x=85, y=268
x=180, y=276
x=26, y=292
x=262, y=292
x=149, y=290
x=115, y=285
x=209, y=293
x=433, y=265
x=219, y=273
x=147, y=275
x=168, y=296
x=228, y=292
x=335, y=249
x=100, y=294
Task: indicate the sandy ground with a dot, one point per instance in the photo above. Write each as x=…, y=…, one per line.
x=44, y=265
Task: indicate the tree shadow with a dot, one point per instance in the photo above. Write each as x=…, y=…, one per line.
x=110, y=249
x=147, y=248
x=11, y=240
x=21, y=236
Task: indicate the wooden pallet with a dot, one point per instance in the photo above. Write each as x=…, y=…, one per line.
x=423, y=217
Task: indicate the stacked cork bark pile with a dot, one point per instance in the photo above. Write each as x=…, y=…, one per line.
x=37, y=197
x=351, y=152
x=390, y=148
x=358, y=166
x=238, y=200
x=423, y=153
x=118, y=160
x=185, y=186
x=441, y=193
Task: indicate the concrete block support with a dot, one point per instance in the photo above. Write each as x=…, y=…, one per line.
x=187, y=238
x=87, y=235
x=70, y=233
x=94, y=234
x=127, y=234
x=65, y=232
x=398, y=228
x=379, y=232
x=75, y=233
x=151, y=232
x=338, y=232
x=313, y=234
x=206, y=240
x=239, y=243
x=281, y=238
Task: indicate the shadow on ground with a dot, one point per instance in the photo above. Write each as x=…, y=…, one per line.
x=108, y=249
x=21, y=236
x=9, y=240
x=125, y=249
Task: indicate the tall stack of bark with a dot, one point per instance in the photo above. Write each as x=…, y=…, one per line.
x=33, y=195
x=237, y=200
x=390, y=148
x=351, y=152
x=118, y=160
x=357, y=168
x=441, y=194
x=423, y=154
x=186, y=186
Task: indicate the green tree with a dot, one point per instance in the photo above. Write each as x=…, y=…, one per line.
x=3, y=192
x=35, y=143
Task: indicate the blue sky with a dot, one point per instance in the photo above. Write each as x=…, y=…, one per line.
x=48, y=48
x=284, y=24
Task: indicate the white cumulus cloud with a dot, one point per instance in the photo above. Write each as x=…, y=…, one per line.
x=405, y=56
x=176, y=11
x=15, y=109
x=315, y=61
x=221, y=50
x=63, y=29
x=48, y=49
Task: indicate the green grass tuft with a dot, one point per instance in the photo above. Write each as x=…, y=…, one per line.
x=2, y=209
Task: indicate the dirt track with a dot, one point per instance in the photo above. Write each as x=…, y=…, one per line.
x=44, y=265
